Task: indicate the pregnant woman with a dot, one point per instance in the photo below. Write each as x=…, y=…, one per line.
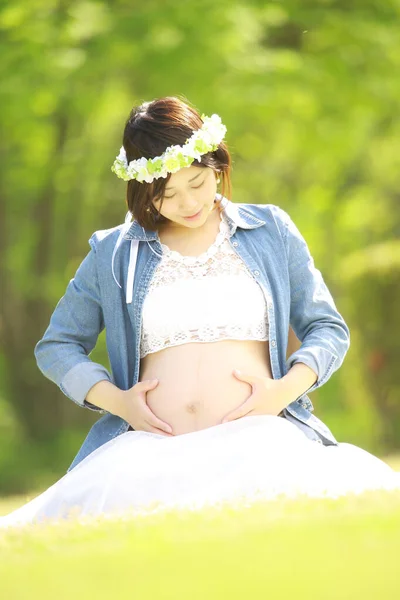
x=196, y=294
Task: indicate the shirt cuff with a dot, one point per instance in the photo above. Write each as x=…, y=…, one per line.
x=78, y=381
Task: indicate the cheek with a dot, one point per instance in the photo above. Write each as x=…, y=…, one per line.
x=212, y=187
x=167, y=208
x=209, y=186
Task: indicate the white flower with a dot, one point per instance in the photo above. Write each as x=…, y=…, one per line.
x=122, y=155
x=175, y=157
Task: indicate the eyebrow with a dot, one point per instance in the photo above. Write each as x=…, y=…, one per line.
x=193, y=178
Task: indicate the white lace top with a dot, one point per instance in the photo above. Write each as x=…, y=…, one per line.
x=202, y=299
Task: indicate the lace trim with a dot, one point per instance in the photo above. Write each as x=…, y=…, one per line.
x=259, y=332
x=224, y=262
x=174, y=255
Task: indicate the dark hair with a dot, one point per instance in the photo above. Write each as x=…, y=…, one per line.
x=149, y=130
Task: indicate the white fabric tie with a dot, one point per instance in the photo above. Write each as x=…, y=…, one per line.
x=131, y=270
x=132, y=259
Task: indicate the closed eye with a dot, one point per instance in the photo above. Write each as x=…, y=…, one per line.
x=194, y=187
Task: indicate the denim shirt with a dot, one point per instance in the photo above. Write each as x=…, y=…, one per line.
x=106, y=292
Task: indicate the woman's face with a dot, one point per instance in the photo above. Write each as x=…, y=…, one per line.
x=190, y=190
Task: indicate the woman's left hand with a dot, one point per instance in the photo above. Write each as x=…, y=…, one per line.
x=267, y=398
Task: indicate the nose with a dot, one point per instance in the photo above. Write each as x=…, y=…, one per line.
x=189, y=205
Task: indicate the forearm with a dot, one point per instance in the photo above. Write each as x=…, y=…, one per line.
x=107, y=396
x=63, y=353
x=314, y=318
x=297, y=381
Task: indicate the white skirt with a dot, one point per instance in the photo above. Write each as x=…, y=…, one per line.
x=252, y=458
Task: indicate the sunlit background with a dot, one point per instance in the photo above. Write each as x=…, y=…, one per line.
x=309, y=92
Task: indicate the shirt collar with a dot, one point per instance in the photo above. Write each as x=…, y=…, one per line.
x=236, y=216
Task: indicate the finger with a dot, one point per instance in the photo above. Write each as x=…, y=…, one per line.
x=159, y=431
x=154, y=421
x=142, y=387
x=148, y=383
x=250, y=379
x=237, y=414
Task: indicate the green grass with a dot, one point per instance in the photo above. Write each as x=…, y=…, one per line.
x=327, y=549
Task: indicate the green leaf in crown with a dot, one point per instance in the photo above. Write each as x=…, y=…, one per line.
x=171, y=163
x=201, y=146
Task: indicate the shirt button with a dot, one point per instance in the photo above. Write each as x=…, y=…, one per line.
x=273, y=343
x=256, y=272
x=235, y=244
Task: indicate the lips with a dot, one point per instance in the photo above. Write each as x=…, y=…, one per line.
x=189, y=216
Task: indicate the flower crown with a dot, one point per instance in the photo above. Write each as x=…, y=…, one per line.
x=174, y=157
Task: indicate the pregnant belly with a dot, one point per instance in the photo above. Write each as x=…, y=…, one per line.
x=196, y=386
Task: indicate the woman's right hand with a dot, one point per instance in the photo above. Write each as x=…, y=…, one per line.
x=137, y=412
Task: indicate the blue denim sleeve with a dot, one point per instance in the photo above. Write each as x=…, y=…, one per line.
x=324, y=335
x=62, y=355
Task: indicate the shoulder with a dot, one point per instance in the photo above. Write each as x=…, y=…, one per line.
x=271, y=214
x=106, y=238
x=279, y=223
